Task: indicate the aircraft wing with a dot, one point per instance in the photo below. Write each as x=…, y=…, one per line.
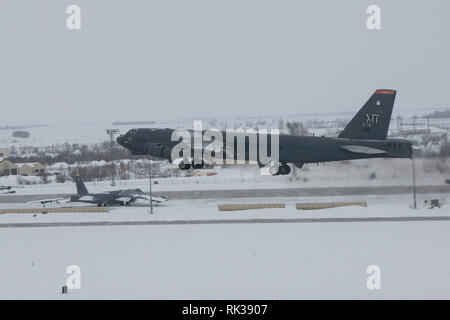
x=54, y=200
x=210, y=160
x=86, y=198
x=124, y=199
x=135, y=194
x=363, y=149
x=155, y=198
x=130, y=192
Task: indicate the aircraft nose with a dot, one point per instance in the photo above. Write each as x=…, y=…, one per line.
x=120, y=139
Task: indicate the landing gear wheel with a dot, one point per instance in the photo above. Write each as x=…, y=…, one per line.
x=274, y=170
x=285, y=169
x=184, y=165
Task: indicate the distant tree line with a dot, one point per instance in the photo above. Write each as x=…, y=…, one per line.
x=70, y=154
x=124, y=171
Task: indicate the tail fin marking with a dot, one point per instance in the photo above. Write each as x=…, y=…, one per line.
x=372, y=121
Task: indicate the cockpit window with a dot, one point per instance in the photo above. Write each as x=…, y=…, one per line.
x=131, y=135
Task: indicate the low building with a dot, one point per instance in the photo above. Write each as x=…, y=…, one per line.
x=32, y=168
x=7, y=168
x=25, y=169
x=4, y=153
x=39, y=169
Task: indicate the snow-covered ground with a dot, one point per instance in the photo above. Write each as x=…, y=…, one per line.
x=231, y=261
x=378, y=206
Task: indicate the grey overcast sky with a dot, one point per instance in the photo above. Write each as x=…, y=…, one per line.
x=167, y=59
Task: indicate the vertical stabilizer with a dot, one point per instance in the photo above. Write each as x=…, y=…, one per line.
x=81, y=188
x=372, y=121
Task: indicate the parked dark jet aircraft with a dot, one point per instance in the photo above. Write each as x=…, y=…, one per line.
x=365, y=136
x=109, y=198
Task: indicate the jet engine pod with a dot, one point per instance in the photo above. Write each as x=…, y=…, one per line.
x=160, y=151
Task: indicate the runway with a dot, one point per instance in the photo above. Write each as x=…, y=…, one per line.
x=223, y=221
x=260, y=193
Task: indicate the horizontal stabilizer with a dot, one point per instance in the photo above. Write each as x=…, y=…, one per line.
x=363, y=149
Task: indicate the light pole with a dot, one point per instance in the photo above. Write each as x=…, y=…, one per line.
x=111, y=133
x=150, y=179
x=414, y=183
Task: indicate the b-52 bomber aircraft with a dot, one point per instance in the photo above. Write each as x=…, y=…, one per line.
x=109, y=198
x=364, y=137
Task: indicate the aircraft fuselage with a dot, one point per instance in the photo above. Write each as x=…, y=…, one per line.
x=292, y=149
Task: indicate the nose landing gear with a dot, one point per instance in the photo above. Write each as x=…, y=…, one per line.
x=198, y=165
x=285, y=169
x=184, y=165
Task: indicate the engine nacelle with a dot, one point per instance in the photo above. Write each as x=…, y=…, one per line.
x=160, y=152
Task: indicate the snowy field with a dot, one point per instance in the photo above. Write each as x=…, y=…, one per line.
x=231, y=261
x=378, y=206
